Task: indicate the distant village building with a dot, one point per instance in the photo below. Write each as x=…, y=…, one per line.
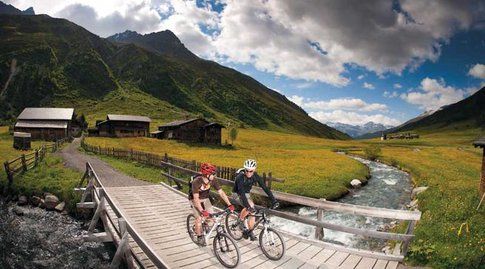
x=481, y=143
x=193, y=130
x=45, y=123
x=122, y=126
x=21, y=140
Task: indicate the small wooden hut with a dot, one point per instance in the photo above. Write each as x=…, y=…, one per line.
x=122, y=126
x=45, y=123
x=196, y=130
x=481, y=144
x=21, y=141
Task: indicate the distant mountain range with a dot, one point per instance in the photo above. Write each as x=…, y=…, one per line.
x=467, y=113
x=359, y=130
x=47, y=61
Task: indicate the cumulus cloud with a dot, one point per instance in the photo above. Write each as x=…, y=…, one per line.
x=477, y=71
x=397, y=86
x=345, y=110
x=368, y=86
x=349, y=104
x=360, y=77
x=393, y=94
x=309, y=40
x=434, y=94
x=352, y=118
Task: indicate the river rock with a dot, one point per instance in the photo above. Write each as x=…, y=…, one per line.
x=35, y=200
x=356, y=183
x=51, y=201
x=18, y=211
x=22, y=200
x=417, y=191
x=60, y=207
x=42, y=203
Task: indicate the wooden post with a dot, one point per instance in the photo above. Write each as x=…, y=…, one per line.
x=270, y=179
x=36, y=159
x=194, y=164
x=482, y=180
x=24, y=163
x=9, y=177
x=410, y=230
x=265, y=180
x=116, y=262
x=319, y=233
x=99, y=210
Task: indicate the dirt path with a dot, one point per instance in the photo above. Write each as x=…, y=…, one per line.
x=109, y=176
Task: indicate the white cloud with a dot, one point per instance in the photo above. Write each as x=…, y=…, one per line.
x=397, y=86
x=309, y=40
x=348, y=104
x=434, y=94
x=360, y=77
x=393, y=94
x=368, y=86
x=477, y=71
x=352, y=118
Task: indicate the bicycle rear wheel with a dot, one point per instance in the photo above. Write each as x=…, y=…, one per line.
x=233, y=227
x=226, y=250
x=272, y=244
x=191, y=228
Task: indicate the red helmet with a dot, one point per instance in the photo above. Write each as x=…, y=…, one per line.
x=207, y=169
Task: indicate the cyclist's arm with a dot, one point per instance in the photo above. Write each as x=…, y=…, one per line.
x=265, y=188
x=223, y=196
x=240, y=191
x=197, y=202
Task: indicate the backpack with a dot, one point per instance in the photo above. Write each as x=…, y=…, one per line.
x=238, y=172
x=191, y=180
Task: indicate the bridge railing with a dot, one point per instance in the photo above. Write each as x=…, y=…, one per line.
x=117, y=229
x=322, y=205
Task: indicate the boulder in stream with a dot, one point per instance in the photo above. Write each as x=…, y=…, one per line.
x=60, y=207
x=22, y=200
x=51, y=201
x=35, y=200
x=417, y=191
x=356, y=183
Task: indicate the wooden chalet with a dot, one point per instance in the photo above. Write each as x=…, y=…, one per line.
x=193, y=130
x=45, y=123
x=122, y=126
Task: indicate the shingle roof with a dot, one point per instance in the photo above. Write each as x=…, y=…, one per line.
x=46, y=113
x=179, y=122
x=214, y=124
x=114, y=117
x=41, y=124
x=480, y=142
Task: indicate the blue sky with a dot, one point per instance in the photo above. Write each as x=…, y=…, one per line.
x=381, y=61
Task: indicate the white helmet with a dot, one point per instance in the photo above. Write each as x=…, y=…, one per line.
x=250, y=164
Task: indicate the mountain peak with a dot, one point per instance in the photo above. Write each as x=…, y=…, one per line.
x=163, y=42
x=11, y=10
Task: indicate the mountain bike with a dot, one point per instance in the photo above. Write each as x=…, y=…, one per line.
x=225, y=248
x=270, y=241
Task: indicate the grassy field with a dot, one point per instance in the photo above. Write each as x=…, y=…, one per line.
x=445, y=161
x=309, y=166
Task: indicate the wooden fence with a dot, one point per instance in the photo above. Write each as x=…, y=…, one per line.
x=25, y=162
x=155, y=160
x=322, y=205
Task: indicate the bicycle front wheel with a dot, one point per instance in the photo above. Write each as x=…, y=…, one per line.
x=233, y=227
x=191, y=228
x=272, y=244
x=226, y=250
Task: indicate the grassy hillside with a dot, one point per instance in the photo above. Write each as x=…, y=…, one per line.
x=46, y=61
x=308, y=165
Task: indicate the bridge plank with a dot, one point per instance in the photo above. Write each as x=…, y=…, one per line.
x=366, y=263
x=391, y=265
x=351, y=262
x=380, y=264
x=337, y=259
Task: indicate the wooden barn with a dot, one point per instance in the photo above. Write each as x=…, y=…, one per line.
x=193, y=130
x=45, y=123
x=123, y=126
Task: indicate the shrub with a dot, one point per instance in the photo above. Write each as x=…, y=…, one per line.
x=372, y=152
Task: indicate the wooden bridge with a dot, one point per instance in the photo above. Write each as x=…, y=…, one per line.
x=147, y=224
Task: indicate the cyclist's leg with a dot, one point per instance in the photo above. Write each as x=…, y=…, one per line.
x=252, y=219
x=198, y=219
x=207, y=205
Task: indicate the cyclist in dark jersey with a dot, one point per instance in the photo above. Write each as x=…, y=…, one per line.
x=242, y=188
x=199, y=196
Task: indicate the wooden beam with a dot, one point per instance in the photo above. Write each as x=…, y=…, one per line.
x=86, y=205
x=98, y=237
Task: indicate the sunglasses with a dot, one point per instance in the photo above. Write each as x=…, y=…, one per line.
x=249, y=171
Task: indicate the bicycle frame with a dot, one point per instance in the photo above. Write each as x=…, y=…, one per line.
x=217, y=225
